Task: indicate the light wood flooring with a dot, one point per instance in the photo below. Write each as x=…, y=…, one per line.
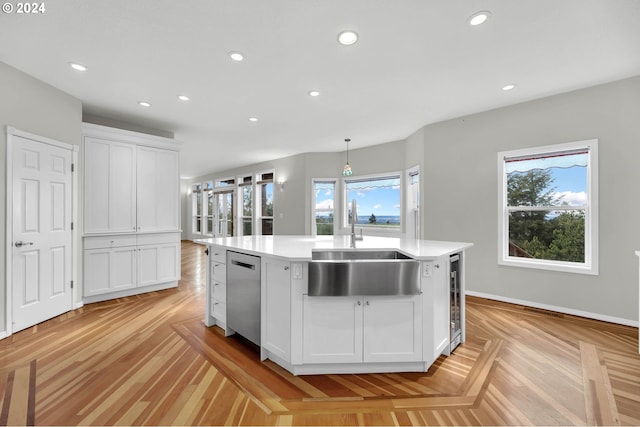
x=149, y=360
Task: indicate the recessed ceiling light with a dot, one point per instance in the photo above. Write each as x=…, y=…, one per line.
x=77, y=67
x=184, y=98
x=144, y=103
x=253, y=119
x=347, y=37
x=314, y=93
x=479, y=18
x=508, y=87
x=236, y=56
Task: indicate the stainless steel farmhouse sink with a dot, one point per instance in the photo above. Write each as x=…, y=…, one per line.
x=342, y=273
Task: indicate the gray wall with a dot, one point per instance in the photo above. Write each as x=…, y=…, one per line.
x=459, y=186
x=32, y=106
x=460, y=193
x=458, y=182
x=292, y=206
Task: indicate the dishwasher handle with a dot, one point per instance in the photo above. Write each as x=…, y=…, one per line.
x=243, y=264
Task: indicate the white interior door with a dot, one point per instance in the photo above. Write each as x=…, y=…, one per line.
x=42, y=236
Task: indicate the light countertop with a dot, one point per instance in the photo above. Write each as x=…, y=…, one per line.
x=299, y=248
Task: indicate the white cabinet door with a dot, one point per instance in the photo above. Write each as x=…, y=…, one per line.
x=147, y=265
x=158, y=263
x=392, y=329
x=441, y=305
x=123, y=268
x=109, y=270
x=332, y=329
x=435, y=300
x=97, y=263
x=157, y=189
x=109, y=186
x=276, y=303
x=169, y=262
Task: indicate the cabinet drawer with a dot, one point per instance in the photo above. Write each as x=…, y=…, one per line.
x=219, y=272
x=219, y=310
x=219, y=291
x=157, y=238
x=218, y=254
x=102, y=242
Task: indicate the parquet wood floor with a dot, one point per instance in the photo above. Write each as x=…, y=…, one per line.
x=149, y=360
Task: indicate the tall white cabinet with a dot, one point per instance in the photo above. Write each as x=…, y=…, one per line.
x=131, y=187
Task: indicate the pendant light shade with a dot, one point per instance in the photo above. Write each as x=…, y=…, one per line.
x=347, y=168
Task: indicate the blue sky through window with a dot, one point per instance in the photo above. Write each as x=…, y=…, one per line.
x=569, y=172
x=380, y=197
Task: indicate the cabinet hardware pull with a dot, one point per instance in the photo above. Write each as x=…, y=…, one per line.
x=286, y=268
x=367, y=302
x=436, y=265
x=359, y=302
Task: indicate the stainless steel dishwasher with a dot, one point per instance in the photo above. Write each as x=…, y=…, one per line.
x=243, y=295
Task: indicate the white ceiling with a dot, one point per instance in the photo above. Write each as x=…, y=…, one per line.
x=416, y=62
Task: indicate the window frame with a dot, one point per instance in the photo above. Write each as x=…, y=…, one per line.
x=258, y=214
x=412, y=198
x=590, y=266
x=314, y=211
x=242, y=184
x=196, y=188
x=207, y=189
x=345, y=227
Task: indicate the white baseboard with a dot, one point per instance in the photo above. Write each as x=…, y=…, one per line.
x=3, y=335
x=129, y=292
x=588, y=315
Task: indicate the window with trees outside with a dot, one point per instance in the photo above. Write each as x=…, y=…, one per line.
x=208, y=208
x=324, y=206
x=264, y=188
x=377, y=201
x=196, y=208
x=245, y=190
x=548, y=197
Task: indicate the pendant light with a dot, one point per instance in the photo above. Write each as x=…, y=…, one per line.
x=347, y=169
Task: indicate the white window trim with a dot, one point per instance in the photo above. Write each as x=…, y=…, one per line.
x=590, y=266
x=216, y=208
x=194, y=202
x=257, y=215
x=375, y=230
x=220, y=186
x=313, y=204
x=240, y=204
x=205, y=210
x=413, y=216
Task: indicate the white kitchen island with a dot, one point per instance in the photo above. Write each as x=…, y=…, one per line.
x=341, y=334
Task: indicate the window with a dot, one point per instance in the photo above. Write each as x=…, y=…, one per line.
x=377, y=201
x=245, y=193
x=225, y=212
x=226, y=182
x=264, y=189
x=548, y=202
x=208, y=208
x=324, y=195
x=413, y=203
x=196, y=208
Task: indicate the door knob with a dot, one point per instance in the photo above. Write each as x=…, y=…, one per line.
x=20, y=244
